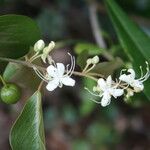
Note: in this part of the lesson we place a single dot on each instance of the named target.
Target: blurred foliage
(76, 122)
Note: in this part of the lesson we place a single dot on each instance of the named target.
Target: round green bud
(10, 94)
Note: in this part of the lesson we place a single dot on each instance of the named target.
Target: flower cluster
(57, 75)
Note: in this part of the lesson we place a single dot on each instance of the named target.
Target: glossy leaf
(21, 75)
(28, 132)
(17, 34)
(134, 41)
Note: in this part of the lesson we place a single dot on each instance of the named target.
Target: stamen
(121, 72)
(73, 66)
(40, 75)
(97, 102)
(146, 76)
(70, 71)
(92, 92)
(141, 71)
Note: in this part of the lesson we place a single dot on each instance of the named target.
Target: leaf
(17, 34)
(82, 58)
(22, 75)
(27, 132)
(134, 41)
(91, 48)
(107, 68)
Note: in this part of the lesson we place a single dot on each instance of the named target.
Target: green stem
(3, 81)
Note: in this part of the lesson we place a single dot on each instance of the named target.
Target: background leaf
(134, 41)
(17, 34)
(91, 48)
(107, 68)
(28, 131)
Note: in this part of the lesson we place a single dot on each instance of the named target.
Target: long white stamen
(70, 71)
(141, 71)
(40, 75)
(71, 64)
(146, 76)
(97, 102)
(121, 72)
(91, 92)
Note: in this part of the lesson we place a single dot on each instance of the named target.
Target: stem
(84, 75)
(24, 63)
(40, 85)
(96, 29)
(3, 81)
(95, 74)
(30, 65)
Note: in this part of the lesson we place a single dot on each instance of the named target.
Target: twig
(96, 29)
(25, 63)
(30, 65)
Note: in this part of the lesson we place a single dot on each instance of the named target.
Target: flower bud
(89, 61)
(94, 89)
(39, 45)
(95, 60)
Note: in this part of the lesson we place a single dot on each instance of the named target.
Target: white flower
(58, 77)
(137, 84)
(108, 90)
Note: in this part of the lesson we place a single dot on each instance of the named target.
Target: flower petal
(51, 71)
(60, 69)
(68, 81)
(137, 85)
(126, 78)
(117, 92)
(109, 81)
(132, 73)
(52, 85)
(106, 99)
(102, 84)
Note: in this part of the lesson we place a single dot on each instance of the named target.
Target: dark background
(71, 124)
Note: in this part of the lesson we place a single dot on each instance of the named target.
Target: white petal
(137, 85)
(68, 81)
(117, 92)
(126, 78)
(102, 84)
(106, 99)
(132, 73)
(109, 81)
(60, 69)
(52, 85)
(51, 70)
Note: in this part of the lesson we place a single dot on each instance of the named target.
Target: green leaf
(107, 68)
(28, 132)
(91, 48)
(134, 41)
(23, 76)
(17, 34)
(82, 58)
